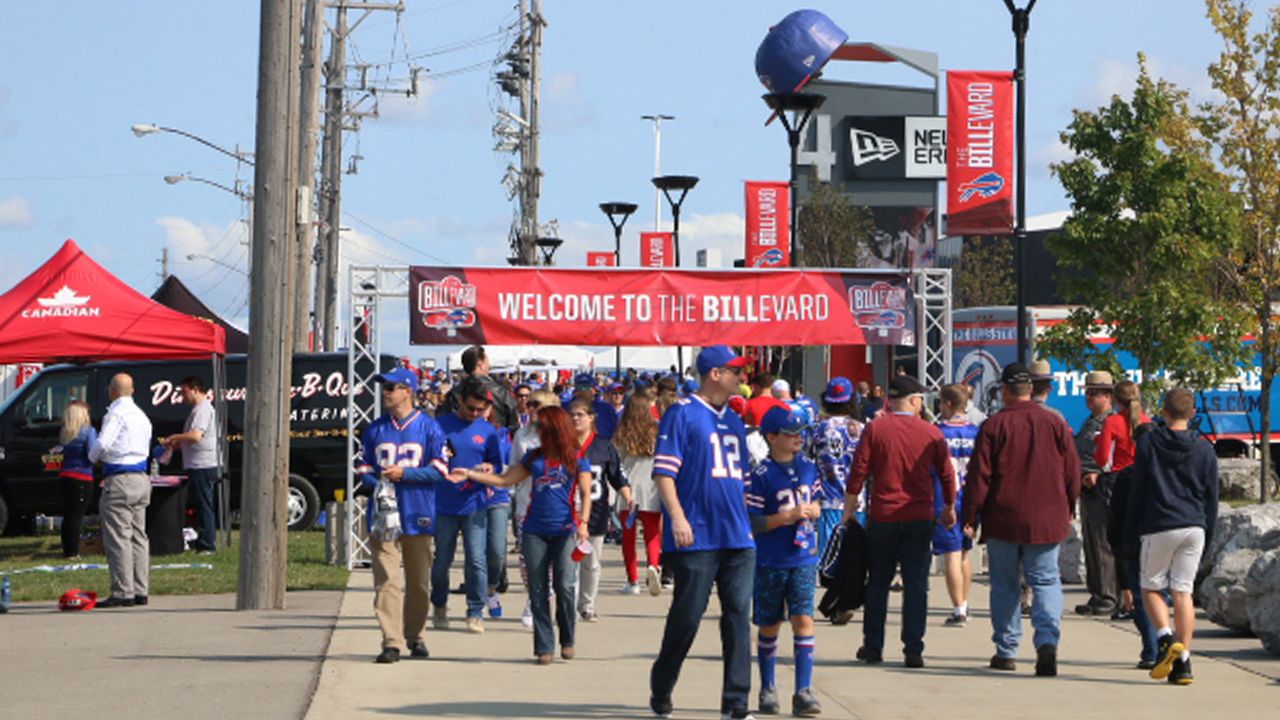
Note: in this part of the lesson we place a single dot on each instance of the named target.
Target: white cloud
(401, 109)
(563, 105)
(15, 212)
(1114, 76)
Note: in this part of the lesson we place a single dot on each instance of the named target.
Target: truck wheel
(4, 515)
(304, 503)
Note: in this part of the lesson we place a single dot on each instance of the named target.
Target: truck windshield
(48, 395)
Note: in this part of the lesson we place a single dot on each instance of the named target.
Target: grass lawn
(306, 570)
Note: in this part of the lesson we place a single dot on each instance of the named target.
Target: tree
(1153, 222)
(834, 232)
(1245, 127)
(985, 274)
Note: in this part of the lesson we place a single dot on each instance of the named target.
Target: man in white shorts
(1172, 508)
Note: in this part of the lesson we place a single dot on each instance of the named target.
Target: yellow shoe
(1167, 651)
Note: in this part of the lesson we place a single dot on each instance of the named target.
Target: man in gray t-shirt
(198, 443)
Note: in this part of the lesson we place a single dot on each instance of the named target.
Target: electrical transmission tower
(518, 133)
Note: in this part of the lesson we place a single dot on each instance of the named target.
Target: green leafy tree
(1245, 128)
(984, 276)
(834, 232)
(1153, 222)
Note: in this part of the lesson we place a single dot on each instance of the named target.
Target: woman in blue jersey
(952, 543)
(556, 521)
(76, 474)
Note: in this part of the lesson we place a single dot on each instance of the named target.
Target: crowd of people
(740, 485)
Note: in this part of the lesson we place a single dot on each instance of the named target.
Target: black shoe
(1145, 664)
(418, 649)
(868, 656)
(140, 600)
(1167, 651)
(1084, 609)
(388, 656)
(1047, 660)
(115, 602)
(913, 660)
(661, 707)
(1180, 674)
(1003, 663)
(1120, 615)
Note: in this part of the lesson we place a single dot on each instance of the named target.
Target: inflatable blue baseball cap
(797, 48)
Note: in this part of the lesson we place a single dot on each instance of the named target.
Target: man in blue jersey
(706, 534)
(472, 443)
(951, 543)
(405, 448)
(782, 503)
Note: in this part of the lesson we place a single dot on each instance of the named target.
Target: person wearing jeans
(473, 444)
(198, 442)
(706, 534)
(1022, 483)
(905, 456)
(555, 521)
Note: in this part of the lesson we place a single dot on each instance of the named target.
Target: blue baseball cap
(690, 386)
(399, 376)
(718, 356)
(778, 420)
(839, 390)
(584, 380)
(566, 397)
(617, 387)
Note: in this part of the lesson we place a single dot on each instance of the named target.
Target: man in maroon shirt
(905, 455)
(1021, 485)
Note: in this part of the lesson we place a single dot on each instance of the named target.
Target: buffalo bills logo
(477, 439)
(984, 186)
(772, 256)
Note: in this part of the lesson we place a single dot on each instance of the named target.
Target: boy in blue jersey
(706, 535)
(951, 542)
(473, 443)
(781, 500)
(405, 447)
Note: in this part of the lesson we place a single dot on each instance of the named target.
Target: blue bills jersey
(960, 435)
(776, 487)
(552, 496)
(834, 442)
(415, 442)
(704, 451)
(469, 444)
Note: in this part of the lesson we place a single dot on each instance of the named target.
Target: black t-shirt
(606, 472)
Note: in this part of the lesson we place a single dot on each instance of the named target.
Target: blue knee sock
(767, 655)
(804, 661)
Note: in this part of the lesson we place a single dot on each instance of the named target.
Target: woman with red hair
(555, 522)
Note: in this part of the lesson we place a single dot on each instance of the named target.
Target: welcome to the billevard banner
(516, 306)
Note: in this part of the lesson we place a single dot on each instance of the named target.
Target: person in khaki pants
(122, 448)
(406, 448)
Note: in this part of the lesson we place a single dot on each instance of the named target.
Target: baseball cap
(689, 387)
(584, 380)
(904, 386)
(781, 385)
(399, 376)
(839, 390)
(778, 420)
(617, 387)
(1015, 373)
(718, 356)
(1040, 370)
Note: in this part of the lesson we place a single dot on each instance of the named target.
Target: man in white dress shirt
(123, 449)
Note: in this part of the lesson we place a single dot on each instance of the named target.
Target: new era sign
(892, 148)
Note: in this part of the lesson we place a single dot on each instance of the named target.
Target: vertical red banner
(657, 249)
(768, 236)
(979, 153)
(600, 259)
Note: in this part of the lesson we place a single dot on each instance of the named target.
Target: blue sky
(428, 189)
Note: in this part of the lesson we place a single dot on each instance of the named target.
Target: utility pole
(331, 187)
(520, 134)
(657, 165)
(309, 111)
(534, 23)
(263, 534)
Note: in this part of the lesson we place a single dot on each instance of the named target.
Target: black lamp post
(618, 212)
(548, 246)
(668, 184)
(801, 107)
(1021, 24)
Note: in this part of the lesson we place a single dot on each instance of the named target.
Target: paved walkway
(493, 675)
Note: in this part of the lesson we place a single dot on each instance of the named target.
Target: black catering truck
(31, 418)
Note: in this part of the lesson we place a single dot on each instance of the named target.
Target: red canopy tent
(72, 310)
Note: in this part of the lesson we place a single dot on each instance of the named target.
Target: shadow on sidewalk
(517, 709)
(227, 658)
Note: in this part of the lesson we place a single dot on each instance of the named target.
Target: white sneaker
(653, 578)
(526, 617)
(631, 588)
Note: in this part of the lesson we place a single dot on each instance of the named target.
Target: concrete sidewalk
(188, 657)
(493, 675)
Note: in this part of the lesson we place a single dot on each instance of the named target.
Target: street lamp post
(801, 107)
(682, 184)
(548, 246)
(618, 212)
(242, 194)
(657, 163)
(144, 129)
(1021, 24)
